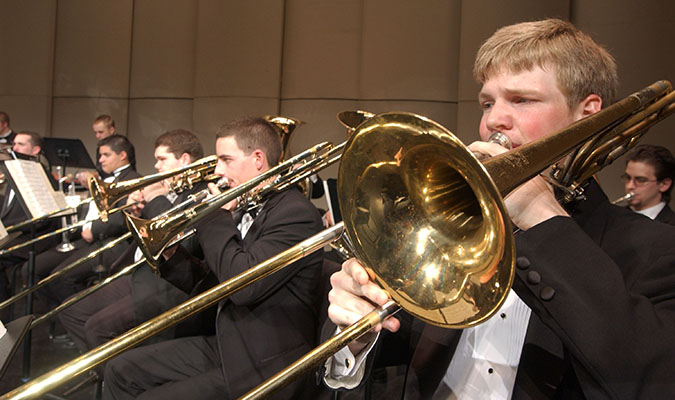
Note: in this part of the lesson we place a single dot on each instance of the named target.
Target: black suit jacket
(667, 215)
(603, 310)
(154, 294)
(269, 324)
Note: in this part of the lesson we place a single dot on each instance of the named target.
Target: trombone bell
(426, 219)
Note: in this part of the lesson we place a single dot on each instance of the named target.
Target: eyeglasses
(639, 180)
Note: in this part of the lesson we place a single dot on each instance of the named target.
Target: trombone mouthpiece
(501, 139)
(498, 138)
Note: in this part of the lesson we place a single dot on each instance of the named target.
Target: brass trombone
(105, 195)
(425, 217)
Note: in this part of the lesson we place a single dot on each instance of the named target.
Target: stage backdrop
(156, 65)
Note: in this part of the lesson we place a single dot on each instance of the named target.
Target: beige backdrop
(156, 65)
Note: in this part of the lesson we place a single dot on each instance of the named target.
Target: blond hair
(582, 67)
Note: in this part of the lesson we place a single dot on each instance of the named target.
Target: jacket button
(533, 277)
(546, 293)
(522, 262)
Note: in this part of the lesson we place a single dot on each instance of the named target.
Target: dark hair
(119, 143)
(179, 141)
(660, 158)
(4, 117)
(35, 138)
(106, 119)
(254, 133)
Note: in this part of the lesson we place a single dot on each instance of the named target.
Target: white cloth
(485, 363)
(652, 212)
(245, 224)
(344, 369)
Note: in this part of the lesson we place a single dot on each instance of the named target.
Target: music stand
(67, 153)
(9, 343)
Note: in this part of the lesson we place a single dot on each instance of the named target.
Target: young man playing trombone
(260, 328)
(592, 310)
(131, 300)
(118, 159)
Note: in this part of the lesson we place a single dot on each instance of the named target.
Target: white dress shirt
(484, 365)
(653, 211)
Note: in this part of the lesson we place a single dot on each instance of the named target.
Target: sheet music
(32, 183)
(3, 231)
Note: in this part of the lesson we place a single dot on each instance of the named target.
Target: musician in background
(591, 313)
(117, 159)
(6, 133)
(132, 300)
(103, 126)
(649, 175)
(27, 143)
(259, 329)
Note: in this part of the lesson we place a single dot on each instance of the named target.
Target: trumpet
(426, 218)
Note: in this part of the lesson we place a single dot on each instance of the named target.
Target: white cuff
(344, 369)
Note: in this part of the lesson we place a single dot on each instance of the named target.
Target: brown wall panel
(92, 51)
(162, 63)
(30, 113)
(149, 118)
(73, 118)
(239, 47)
(322, 49)
(26, 45)
(209, 113)
(410, 52)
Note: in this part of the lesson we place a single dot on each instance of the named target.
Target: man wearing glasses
(650, 171)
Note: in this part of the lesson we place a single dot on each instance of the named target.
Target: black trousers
(186, 368)
(76, 280)
(100, 316)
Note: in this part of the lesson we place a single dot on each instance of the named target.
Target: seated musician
(131, 300)
(259, 329)
(118, 159)
(28, 143)
(649, 175)
(591, 313)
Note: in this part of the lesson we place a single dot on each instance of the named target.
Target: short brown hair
(106, 119)
(179, 141)
(582, 66)
(34, 138)
(253, 133)
(4, 117)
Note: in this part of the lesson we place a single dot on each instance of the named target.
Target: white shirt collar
(653, 211)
